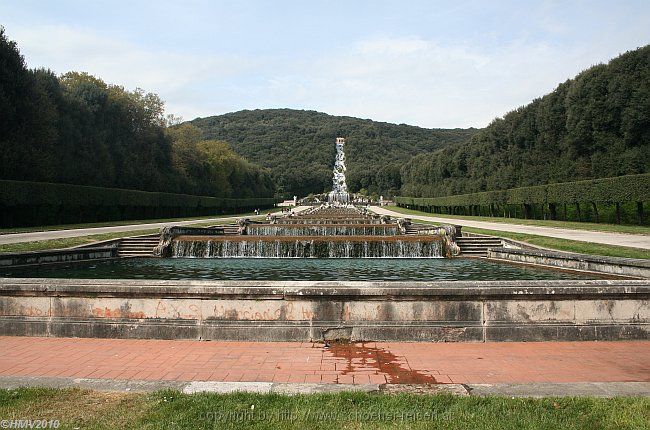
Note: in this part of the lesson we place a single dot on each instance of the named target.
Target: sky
(435, 64)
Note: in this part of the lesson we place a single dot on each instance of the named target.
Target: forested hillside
(76, 129)
(595, 125)
(298, 147)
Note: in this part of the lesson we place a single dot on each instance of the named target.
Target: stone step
(153, 236)
(136, 247)
(478, 246)
(133, 252)
(474, 245)
(139, 241)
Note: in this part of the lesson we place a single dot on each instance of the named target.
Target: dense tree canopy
(595, 125)
(77, 129)
(298, 147)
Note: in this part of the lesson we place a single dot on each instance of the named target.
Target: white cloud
(392, 46)
(425, 83)
(396, 79)
(168, 73)
(421, 82)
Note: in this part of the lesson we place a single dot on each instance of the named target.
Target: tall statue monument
(339, 194)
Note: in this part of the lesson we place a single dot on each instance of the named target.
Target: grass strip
(572, 225)
(75, 408)
(42, 245)
(115, 223)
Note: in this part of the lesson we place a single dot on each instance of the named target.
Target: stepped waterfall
(335, 230)
(309, 248)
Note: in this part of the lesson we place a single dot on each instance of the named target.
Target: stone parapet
(15, 259)
(314, 311)
(631, 267)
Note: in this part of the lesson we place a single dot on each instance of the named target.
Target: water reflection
(460, 269)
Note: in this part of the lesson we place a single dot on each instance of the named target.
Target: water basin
(394, 269)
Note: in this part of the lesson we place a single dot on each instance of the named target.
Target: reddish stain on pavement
(360, 363)
(361, 357)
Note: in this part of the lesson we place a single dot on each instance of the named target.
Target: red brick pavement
(371, 362)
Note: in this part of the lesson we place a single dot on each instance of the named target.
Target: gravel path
(61, 234)
(606, 238)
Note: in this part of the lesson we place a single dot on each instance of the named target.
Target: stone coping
(306, 238)
(176, 231)
(575, 256)
(297, 225)
(329, 290)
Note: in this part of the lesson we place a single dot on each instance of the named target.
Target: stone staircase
(477, 245)
(139, 246)
(230, 229)
(412, 230)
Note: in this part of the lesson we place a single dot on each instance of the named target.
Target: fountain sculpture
(339, 194)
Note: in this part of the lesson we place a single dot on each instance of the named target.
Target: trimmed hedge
(606, 191)
(24, 203)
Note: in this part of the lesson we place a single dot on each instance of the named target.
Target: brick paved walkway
(371, 362)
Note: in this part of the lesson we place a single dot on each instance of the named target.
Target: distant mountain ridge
(298, 147)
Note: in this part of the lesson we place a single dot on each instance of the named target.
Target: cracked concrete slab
(292, 389)
(455, 389)
(125, 385)
(277, 388)
(563, 389)
(227, 387)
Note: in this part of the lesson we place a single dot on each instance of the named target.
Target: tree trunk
(618, 213)
(595, 210)
(553, 210)
(639, 212)
(578, 210)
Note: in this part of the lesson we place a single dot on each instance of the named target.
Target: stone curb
(535, 389)
(562, 389)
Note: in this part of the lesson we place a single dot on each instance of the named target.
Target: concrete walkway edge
(595, 389)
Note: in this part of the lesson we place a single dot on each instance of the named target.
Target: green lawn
(82, 240)
(562, 244)
(116, 223)
(614, 228)
(68, 242)
(76, 408)
(568, 245)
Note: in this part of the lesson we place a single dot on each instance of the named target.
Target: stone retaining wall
(56, 256)
(313, 311)
(631, 267)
